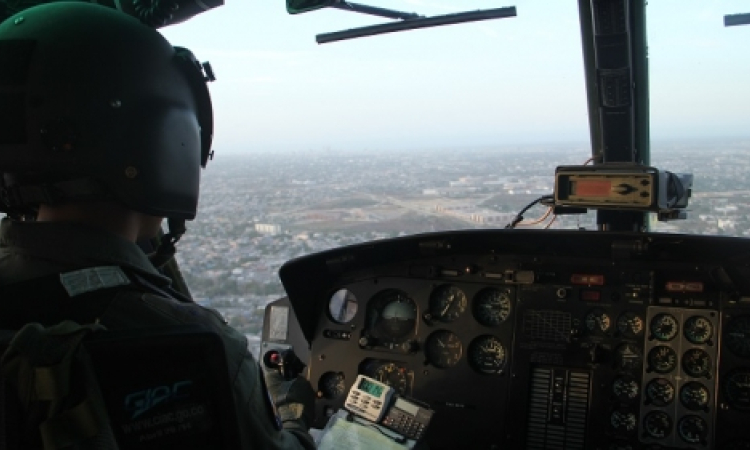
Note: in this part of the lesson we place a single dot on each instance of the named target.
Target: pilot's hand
(294, 399)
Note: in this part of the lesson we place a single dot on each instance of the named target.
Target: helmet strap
(167, 249)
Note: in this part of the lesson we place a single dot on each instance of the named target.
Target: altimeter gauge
(492, 307)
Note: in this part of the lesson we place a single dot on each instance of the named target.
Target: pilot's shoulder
(157, 310)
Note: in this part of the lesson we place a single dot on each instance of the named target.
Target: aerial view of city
(259, 210)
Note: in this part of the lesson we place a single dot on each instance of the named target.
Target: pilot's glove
(294, 400)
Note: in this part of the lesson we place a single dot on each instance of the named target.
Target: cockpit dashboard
(538, 339)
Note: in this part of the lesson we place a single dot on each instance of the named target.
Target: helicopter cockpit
(610, 339)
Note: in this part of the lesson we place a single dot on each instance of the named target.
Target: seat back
(162, 388)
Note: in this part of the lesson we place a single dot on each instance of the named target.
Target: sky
(493, 83)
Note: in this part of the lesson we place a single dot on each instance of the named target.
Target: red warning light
(591, 296)
(684, 286)
(587, 280)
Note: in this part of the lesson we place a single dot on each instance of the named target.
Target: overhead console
(539, 339)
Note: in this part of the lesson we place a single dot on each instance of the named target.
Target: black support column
(613, 34)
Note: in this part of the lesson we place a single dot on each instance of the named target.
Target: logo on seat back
(140, 402)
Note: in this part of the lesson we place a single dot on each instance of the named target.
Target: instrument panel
(539, 340)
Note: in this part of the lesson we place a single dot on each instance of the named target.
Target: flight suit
(34, 249)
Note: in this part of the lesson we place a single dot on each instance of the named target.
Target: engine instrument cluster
(529, 340)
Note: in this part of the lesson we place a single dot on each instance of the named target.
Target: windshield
(445, 128)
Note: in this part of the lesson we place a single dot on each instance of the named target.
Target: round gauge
(598, 321)
(698, 329)
(392, 375)
(447, 303)
(628, 357)
(492, 307)
(623, 420)
(664, 327)
(662, 359)
(443, 349)
(487, 355)
(392, 318)
(695, 396)
(331, 385)
(625, 388)
(657, 424)
(342, 306)
(693, 429)
(737, 336)
(696, 362)
(660, 392)
(630, 324)
(736, 386)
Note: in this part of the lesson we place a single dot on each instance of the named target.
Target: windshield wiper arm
(736, 19)
(375, 11)
(421, 22)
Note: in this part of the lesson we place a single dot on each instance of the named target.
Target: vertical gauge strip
(558, 406)
(679, 378)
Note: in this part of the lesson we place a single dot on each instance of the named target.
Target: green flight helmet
(96, 105)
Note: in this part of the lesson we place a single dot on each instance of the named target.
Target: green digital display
(371, 388)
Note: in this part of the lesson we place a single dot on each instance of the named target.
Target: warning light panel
(590, 296)
(684, 286)
(587, 280)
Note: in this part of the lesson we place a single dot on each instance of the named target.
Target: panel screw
(131, 172)
(19, 20)
(115, 103)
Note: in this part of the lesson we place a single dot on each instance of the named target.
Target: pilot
(104, 127)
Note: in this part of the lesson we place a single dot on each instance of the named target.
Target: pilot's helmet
(96, 105)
